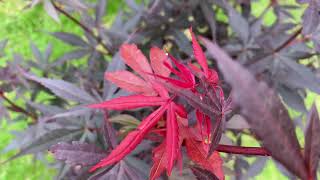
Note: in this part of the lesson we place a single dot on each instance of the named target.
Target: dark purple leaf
(264, 111)
(297, 75)
(203, 174)
(255, 168)
(71, 39)
(238, 24)
(45, 141)
(311, 17)
(36, 53)
(312, 141)
(100, 11)
(292, 98)
(76, 54)
(108, 88)
(63, 89)
(51, 10)
(77, 153)
(216, 133)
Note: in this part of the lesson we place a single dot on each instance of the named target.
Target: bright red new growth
(150, 90)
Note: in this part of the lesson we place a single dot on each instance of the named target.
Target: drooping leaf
(203, 174)
(157, 59)
(130, 102)
(77, 153)
(130, 82)
(298, 75)
(76, 54)
(311, 18)
(264, 111)
(198, 153)
(216, 134)
(238, 24)
(172, 138)
(237, 122)
(312, 142)
(159, 159)
(63, 89)
(132, 139)
(199, 54)
(109, 88)
(100, 10)
(71, 39)
(51, 10)
(134, 58)
(125, 119)
(255, 168)
(48, 139)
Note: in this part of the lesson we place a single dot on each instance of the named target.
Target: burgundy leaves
(312, 142)
(152, 87)
(268, 118)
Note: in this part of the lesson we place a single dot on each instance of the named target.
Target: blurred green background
(21, 26)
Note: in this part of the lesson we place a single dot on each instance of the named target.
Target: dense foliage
(122, 114)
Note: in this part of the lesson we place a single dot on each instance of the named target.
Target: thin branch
(288, 41)
(16, 108)
(83, 26)
(278, 49)
(257, 151)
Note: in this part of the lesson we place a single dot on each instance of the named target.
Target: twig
(83, 26)
(257, 151)
(278, 49)
(16, 108)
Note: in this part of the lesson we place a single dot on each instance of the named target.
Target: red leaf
(130, 82)
(312, 142)
(184, 73)
(159, 161)
(131, 140)
(197, 151)
(135, 59)
(130, 102)
(157, 59)
(171, 138)
(199, 55)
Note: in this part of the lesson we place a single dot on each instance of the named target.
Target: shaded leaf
(255, 168)
(237, 122)
(298, 75)
(197, 152)
(132, 139)
(63, 89)
(100, 10)
(172, 138)
(71, 39)
(311, 17)
(238, 24)
(51, 10)
(159, 159)
(125, 119)
(203, 174)
(265, 113)
(48, 139)
(77, 153)
(312, 141)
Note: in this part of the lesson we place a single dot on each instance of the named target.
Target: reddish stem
(257, 151)
(16, 108)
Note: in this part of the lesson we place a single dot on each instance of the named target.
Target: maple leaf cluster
(151, 87)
